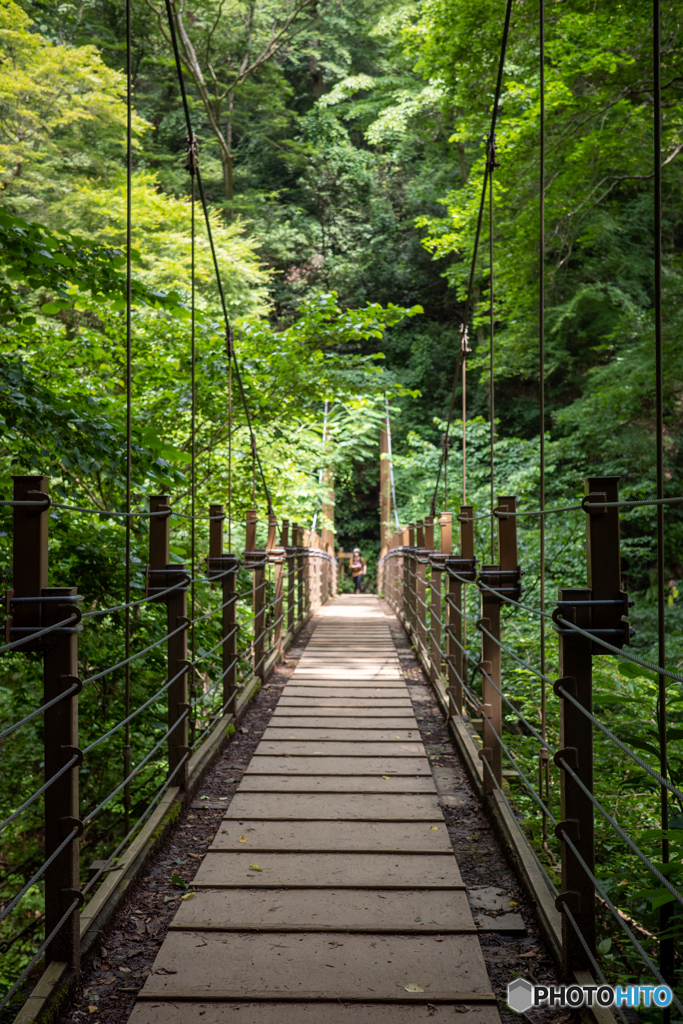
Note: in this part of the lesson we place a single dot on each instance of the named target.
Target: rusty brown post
(224, 566)
(464, 566)
(300, 586)
(161, 573)
(255, 559)
(501, 578)
(421, 558)
(576, 749)
(409, 581)
(307, 581)
(289, 585)
(33, 606)
(62, 883)
(277, 555)
(605, 619)
(436, 561)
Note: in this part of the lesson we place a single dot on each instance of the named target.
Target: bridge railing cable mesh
(265, 599)
(428, 590)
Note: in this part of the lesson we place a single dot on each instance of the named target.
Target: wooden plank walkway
(330, 893)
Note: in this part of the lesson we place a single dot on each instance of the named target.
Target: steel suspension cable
(192, 154)
(666, 948)
(544, 768)
(391, 463)
(129, 404)
(480, 216)
(491, 148)
(219, 281)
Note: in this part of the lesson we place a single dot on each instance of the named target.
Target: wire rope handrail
(596, 721)
(36, 957)
(135, 713)
(38, 792)
(618, 916)
(38, 874)
(657, 669)
(42, 632)
(515, 710)
(86, 888)
(136, 771)
(623, 835)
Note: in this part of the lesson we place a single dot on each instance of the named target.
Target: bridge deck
(331, 880)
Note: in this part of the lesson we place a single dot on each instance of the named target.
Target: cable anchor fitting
(491, 162)
(192, 161)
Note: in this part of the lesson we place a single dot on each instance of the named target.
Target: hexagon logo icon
(520, 995)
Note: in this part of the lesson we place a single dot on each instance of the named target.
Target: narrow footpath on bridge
(330, 892)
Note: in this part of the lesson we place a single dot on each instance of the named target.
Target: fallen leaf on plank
(413, 987)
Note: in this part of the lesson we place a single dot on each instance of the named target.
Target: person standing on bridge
(358, 568)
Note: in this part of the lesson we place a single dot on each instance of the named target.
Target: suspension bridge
(330, 890)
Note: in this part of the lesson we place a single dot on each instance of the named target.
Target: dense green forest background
(342, 150)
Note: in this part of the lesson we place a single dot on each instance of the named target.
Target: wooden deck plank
(334, 965)
(408, 784)
(354, 701)
(389, 719)
(328, 871)
(405, 911)
(341, 732)
(320, 688)
(324, 836)
(350, 806)
(340, 748)
(318, 1012)
(266, 765)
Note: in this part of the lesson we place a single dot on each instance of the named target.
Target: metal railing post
(502, 577)
(34, 606)
(409, 583)
(307, 575)
(576, 749)
(300, 573)
(290, 550)
(465, 567)
(255, 559)
(437, 562)
(62, 815)
(600, 609)
(421, 559)
(276, 556)
(161, 573)
(224, 566)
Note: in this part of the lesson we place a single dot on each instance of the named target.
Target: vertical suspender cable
(463, 360)
(322, 468)
(485, 183)
(391, 463)
(129, 361)
(492, 390)
(666, 947)
(219, 281)
(191, 162)
(543, 764)
(229, 453)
